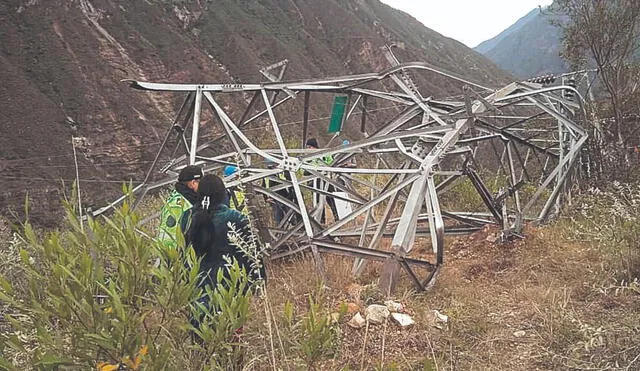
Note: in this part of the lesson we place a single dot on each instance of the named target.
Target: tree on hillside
(607, 34)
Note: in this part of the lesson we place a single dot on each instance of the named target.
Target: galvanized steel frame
(427, 148)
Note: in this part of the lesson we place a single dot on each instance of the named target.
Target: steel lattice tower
(514, 147)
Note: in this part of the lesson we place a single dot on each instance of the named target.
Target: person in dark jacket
(206, 229)
(278, 209)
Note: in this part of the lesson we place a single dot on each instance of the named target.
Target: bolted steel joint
(291, 163)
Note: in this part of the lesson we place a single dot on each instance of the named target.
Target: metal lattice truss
(425, 168)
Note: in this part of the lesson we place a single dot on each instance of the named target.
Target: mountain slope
(530, 47)
(487, 45)
(63, 61)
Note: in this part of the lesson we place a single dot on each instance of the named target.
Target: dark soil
(62, 62)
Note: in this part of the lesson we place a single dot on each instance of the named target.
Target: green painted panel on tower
(337, 113)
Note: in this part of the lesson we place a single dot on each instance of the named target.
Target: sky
(468, 21)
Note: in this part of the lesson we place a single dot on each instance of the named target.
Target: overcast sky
(468, 21)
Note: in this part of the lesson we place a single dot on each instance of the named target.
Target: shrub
(106, 295)
(319, 337)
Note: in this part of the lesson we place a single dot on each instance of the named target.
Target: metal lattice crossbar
(425, 168)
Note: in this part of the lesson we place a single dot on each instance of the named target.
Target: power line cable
(65, 180)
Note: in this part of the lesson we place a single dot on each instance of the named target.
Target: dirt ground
(536, 303)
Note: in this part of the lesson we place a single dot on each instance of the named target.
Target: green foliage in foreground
(106, 295)
(310, 336)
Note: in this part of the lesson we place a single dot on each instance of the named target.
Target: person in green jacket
(236, 199)
(181, 199)
(312, 143)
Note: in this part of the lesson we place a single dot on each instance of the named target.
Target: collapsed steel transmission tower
(426, 168)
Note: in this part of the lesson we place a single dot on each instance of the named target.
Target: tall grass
(565, 297)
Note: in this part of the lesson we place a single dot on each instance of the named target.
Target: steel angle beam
(380, 255)
(409, 157)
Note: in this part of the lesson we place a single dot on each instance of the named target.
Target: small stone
(519, 333)
(394, 306)
(439, 317)
(402, 319)
(357, 321)
(376, 313)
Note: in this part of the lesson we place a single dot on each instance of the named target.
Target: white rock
(519, 333)
(394, 306)
(376, 313)
(404, 320)
(440, 317)
(357, 321)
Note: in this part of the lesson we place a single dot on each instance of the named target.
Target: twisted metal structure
(425, 169)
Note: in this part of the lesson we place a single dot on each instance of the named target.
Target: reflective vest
(237, 201)
(325, 160)
(170, 215)
(267, 181)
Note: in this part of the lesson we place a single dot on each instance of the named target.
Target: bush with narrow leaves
(105, 295)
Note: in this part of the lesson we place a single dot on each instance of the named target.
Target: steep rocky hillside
(529, 47)
(62, 62)
(487, 45)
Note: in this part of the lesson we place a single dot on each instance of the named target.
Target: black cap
(190, 172)
(312, 142)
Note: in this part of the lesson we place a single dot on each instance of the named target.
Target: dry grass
(550, 301)
(538, 303)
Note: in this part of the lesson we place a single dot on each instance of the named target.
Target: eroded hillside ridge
(63, 61)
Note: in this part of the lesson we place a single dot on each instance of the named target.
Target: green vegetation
(319, 338)
(609, 220)
(105, 295)
(565, 297)
(606, 35)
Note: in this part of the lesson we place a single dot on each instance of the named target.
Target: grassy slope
(558, 299)
(549, 301)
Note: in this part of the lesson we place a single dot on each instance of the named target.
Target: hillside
(487, 45)
(529, 47)
(62, 63)
(564, 297)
